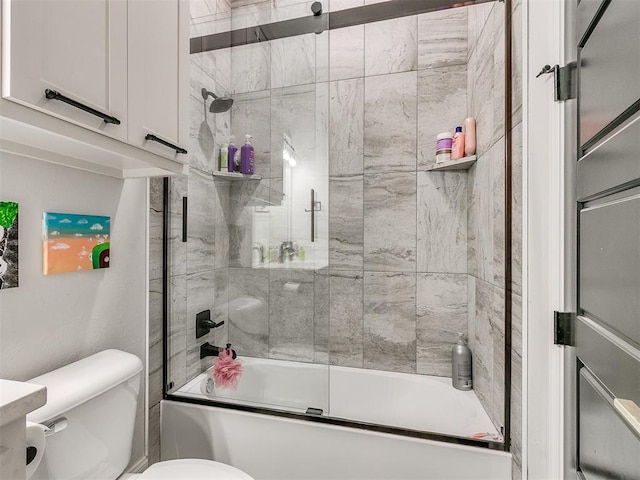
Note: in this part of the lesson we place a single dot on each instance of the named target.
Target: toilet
(90, 414)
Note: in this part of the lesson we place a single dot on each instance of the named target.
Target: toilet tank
(92, 405)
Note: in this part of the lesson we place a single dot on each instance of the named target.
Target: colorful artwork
(8, 245)
(75, 242)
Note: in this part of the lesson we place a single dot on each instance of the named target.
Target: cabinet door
(159, 74)
(74, 47)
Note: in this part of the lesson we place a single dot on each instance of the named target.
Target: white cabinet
(77, 48)
(158, 73)
(121, 67)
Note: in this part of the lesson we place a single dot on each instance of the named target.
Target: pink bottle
(469, 136)
(457, 151)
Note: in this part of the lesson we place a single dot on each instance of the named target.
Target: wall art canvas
(73, 242)
(8, 245)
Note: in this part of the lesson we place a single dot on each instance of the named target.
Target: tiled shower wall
(401, 237)
(485, 195)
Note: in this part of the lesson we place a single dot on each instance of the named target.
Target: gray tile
(201, 295)
(291, 110)
(155, 373)
(250, 67)
(498, 71)
(156, 219)
(442, 105)
(346, 318)
(346, 127)
(481, 87)
(516, 59)
(293, 61)
(442, 38)
(390, 118)
(497, 321)
(346, 223)
(346, 53)
(479, 219)
(441, 315)
(177, 307)
(221, 218)
(390, 213)
(154, 434)
(322, 56)
(498, 207)
(291, 326)
(516, 209)
(177, 255)
(155, 311)
(442, 222)
(321, 315)
(249, 311)
(391, 46)
(482, 385)
(478, 15)
(483, 332)
(390, 321)
(200, 222)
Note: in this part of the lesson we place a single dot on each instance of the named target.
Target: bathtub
(268, 447)
(415, 402)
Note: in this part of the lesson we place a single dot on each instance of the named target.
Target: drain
(314, 411)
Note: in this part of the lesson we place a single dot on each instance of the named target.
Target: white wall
(50, 321)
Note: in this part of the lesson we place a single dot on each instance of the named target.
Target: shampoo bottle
(232, 151)
(457, 150)
(246, 157)
(224, 158)
(461, 362)
(469, 136)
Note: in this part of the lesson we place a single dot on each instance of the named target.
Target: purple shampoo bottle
(233, 150)
(246, 157)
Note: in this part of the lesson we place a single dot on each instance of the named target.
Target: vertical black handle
(313, 215)
(184, 219)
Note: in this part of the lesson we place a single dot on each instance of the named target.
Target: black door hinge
(565, 83)
(564, 328)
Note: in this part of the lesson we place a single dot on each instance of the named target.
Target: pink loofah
(226, 370)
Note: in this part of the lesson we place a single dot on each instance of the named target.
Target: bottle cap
(247, 138)
(461, 340)
(458, 129)
(223, 145)
(231, 139)
(442, 135)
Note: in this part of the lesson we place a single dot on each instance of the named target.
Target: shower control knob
(316, 8)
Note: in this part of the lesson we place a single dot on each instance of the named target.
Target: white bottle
(461, 365)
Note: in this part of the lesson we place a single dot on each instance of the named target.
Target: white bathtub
(276, 448)
(416, 402)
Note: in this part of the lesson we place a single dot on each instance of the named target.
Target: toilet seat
(193, 469)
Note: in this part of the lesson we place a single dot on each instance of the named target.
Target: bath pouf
(226, 370)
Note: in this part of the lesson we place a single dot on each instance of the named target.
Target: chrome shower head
(219, 104)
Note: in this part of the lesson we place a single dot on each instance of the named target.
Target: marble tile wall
(394, 228)
(486, 229)
(414, 256)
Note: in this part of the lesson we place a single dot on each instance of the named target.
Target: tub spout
(208, 350)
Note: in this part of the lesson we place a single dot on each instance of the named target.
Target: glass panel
(405, 253)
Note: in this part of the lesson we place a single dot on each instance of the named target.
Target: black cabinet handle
(53, 95)
(153, 138)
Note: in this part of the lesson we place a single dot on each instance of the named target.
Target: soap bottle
(469, 136)
(461, 363)
(457, 150)
(232, 153)
(246, 156)
(224, 158)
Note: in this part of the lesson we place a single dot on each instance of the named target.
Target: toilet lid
(193, 469)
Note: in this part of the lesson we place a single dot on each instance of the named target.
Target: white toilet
(90, 411)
